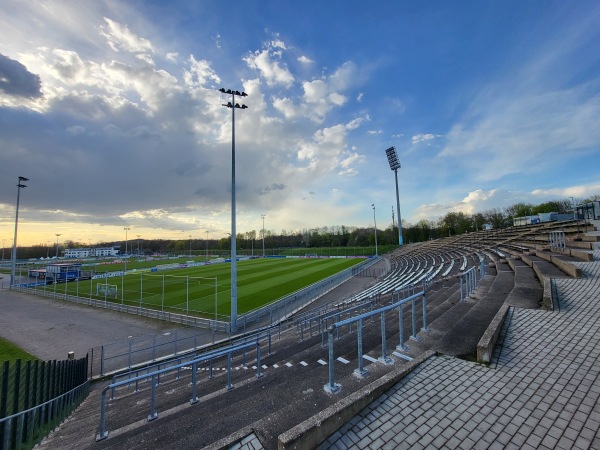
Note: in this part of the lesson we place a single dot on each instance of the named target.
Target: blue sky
(112, 110)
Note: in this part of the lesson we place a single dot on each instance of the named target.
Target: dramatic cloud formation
(113, 112)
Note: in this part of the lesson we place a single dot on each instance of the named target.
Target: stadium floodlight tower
(263, 232)
(395, 165)
(13, 270)
(233, 105)
(375, 229)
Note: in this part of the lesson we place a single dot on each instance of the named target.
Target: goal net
(106, 290)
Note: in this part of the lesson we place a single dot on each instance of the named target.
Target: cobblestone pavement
(540, 392)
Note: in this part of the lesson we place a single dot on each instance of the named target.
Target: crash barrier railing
(154, 376)
(469, 280)
(286, 306)
(136, 350)
(259, 336)
(315, 317)
(29, 427)
(338, 316)
(332, 386)
(557, 239)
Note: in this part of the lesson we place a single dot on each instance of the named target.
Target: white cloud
(268, 63)
(424, 137)
(305, 60)
(360, 96)
(119, 37)
(200, 73)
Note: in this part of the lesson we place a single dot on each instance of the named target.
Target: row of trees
(452, 223)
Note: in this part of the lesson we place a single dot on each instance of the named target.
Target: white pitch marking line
(304, 363)
(400, 355)
(343, 360)
(369, 358)
(323, 363)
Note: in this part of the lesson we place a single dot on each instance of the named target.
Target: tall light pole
(138, 236)
(206, 245)
(3, 240)
(126, 230)
(375, 222)
(263, 233)
(233, 105)
(574, 209)
(57, 236)
(20, 186)
(395, 165)
(190, 245)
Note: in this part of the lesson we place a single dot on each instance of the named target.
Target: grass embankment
(10, 352)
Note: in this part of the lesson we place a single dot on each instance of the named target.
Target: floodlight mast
(233, 105)
(395, 165)
(13, 270)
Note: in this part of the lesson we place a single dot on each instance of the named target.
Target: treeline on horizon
(452, 223)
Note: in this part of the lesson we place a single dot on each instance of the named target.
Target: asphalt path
(50, 328)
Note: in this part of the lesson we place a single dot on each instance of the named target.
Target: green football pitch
(205, 291)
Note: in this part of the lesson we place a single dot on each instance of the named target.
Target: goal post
(106, 290)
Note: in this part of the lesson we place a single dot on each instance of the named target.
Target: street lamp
(20, 185)
(57, 235)
(395, 165)
(375, 222)
(138, 236)
(263, 233)
(233, 105)
(190, 245)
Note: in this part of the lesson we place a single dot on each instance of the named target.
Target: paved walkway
(541, 391)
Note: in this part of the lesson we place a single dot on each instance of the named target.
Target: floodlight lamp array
(393, 158)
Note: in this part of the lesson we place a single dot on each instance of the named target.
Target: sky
(112, 111)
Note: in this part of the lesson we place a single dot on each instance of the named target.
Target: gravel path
(49, 328)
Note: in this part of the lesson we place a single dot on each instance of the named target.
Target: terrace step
(462, 338)
(528, 291)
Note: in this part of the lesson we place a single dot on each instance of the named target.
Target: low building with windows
(92, 252)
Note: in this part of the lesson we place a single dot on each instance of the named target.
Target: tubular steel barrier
(30, 426)
(154, 377)
(469, 280)
(188, 358)
(332, 387)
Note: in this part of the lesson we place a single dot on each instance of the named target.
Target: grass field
(10, 352)
(192, 290)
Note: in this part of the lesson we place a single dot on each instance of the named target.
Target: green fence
(25, 386)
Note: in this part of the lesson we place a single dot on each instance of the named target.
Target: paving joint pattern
(541, 390)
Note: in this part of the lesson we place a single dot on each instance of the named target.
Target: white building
(91, 252)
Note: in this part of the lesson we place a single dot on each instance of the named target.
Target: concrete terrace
(533, 315)
(541, 390)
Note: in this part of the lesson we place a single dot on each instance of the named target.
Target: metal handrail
(331, 386)
(103, 432)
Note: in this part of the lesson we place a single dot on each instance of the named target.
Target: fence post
(194, 386)
(384, 357)
(401, 345)
(331, 387)
(360, 372)
(153, 414)
(414, 336)
(425, 329)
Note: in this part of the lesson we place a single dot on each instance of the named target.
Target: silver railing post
(153, 414)
(102, 432)
(331, 387)
(401, 345)
(425, 329)
(384, 357)
(360, 371)
(194, 398)
(414, 336)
